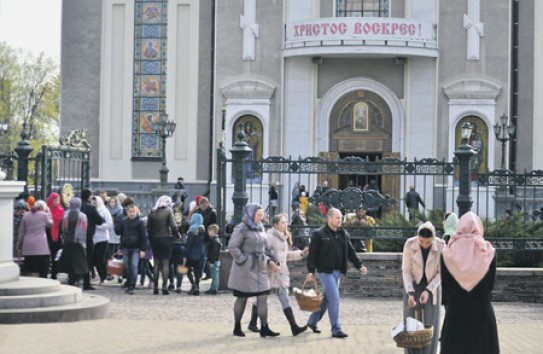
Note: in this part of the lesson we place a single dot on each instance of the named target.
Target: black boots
(237, 330)
(293, 326)
(252, 325)
(265, 331)
(194, 290)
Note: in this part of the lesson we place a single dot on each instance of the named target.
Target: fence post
(219, 202)
(463, 153)
(239, 151)
(23, 149)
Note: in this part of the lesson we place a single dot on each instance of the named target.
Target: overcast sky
(32, 25)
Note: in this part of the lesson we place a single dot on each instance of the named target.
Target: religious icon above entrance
(360, 117)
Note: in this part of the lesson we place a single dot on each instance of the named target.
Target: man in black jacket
(93, 219)
(412, 201)
(329, 250)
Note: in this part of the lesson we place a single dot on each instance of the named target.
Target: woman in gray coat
(249, 273)
(279, 244)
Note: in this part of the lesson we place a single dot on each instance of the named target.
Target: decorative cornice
(248, 89)
(471, 88)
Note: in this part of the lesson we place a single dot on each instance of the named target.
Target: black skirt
(36, 264)
(73, 259)
(162, 247)
(238, 293)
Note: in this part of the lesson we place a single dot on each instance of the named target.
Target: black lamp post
(464, 153)
(164, 128)
(504, 132)
(23, 150)
(239, 151)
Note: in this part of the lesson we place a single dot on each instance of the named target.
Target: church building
(330, 78)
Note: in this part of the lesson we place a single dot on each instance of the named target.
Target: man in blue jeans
(133, 243)
(329, 250)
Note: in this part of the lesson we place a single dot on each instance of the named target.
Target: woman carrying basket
(279, 243)
(421, 281)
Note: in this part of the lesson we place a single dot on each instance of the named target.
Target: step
(90, 307)
(65, 295)
(29, 286)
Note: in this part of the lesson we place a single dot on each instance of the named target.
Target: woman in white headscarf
(32, 242)
(101, 238)
(162, 231)
(422, 279)
(468, 274)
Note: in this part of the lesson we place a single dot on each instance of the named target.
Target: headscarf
(196, 221)
(429, 226)
(75, 205)
(120, 199)
(162, 202)
(30, 200)
(72, 221)
(101, 207)
(20, 204)
(449, 225)
(118, 210)
(56, 212)
(39, 205)
(249, 217)
(468, 255)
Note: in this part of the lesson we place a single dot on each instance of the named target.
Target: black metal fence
(499, 197)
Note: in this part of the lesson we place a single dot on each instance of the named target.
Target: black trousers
(54, 247)
(99, 259)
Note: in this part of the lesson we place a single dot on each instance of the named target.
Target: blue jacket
(195, 248)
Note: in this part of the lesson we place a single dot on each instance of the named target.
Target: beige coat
(278, 248)
(412, 265)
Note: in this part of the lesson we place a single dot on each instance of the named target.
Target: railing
(510, 204)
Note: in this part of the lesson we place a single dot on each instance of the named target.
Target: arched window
(254, 137)
(479, 143)
(362, 8)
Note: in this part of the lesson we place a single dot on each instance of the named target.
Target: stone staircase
(37, 300)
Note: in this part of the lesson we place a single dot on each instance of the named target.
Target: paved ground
(146, 323)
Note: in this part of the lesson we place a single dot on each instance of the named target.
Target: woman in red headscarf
(53, 238)
(467, 275)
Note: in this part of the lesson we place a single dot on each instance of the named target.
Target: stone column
(9, 271)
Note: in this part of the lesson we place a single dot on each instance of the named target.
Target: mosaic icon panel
(149, 90)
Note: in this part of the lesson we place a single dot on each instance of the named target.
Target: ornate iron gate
(64, 169)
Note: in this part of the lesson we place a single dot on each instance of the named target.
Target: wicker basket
(181, 269)
(309, 303)
(115, 267)
(415, 339)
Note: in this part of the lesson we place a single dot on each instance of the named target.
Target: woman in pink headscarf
(467, 276)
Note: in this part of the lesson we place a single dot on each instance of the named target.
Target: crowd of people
(91, 231)
(457, 272)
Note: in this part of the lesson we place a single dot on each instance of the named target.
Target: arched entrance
(361, 126)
